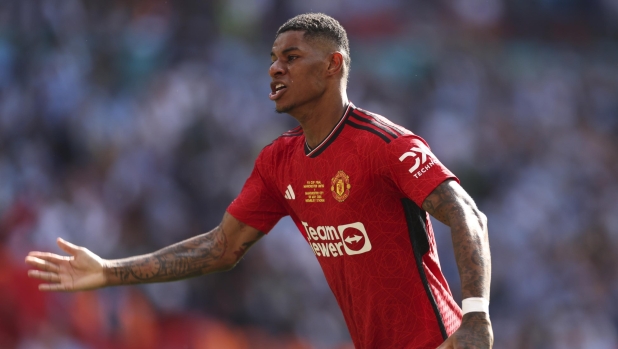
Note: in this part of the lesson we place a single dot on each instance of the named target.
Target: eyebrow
(287, 50)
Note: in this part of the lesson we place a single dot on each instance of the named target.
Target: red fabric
(257, 204)
(359, 232)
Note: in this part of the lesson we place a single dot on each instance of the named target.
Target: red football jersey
(356, 198)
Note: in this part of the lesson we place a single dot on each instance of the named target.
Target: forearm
(471, 247)
(451, 205)
(196, 256)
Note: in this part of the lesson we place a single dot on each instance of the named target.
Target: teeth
(279, 86)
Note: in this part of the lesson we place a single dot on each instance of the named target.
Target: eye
(291, 58)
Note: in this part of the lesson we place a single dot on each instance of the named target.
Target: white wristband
(475, 304)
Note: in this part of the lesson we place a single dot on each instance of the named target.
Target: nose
(276, 69)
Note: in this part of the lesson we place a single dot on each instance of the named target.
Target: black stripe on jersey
(325, 145)
(373, 123)
(389, 124)
(367, 128)
(334, 133)
(415, 218)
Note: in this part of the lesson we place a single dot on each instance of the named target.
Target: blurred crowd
(128, 125)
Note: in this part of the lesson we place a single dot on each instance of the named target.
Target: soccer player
(359, 189)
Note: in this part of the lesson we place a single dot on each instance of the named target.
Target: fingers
(53, 287)
(67, 246)
(54, 278)
(51, 258)
(44, 275)
(42, 264)
(49, 265)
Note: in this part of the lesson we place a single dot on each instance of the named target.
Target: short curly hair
(319, 25)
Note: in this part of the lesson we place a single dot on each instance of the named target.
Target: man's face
(297, 71)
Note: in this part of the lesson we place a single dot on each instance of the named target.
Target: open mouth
(277, 90)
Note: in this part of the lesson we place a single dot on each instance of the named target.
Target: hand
(474, 333)
(82, 270)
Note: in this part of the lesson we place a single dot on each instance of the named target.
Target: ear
(335, 64)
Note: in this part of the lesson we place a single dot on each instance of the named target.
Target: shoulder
(377, 120)
(373, 127)
(295, 132)
(287, 140)
(282, 146)
(375, 130)
(380, 137)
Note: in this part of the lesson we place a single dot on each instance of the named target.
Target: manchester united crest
(340, 186)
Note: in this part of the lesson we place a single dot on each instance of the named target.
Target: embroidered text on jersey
(314, 191)
(348, 239)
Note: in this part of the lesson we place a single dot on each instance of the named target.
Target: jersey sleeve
(413, 168)
(256, 205)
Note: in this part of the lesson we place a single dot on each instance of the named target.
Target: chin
(284, 108)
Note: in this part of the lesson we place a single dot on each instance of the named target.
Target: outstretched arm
(217, 250)
(450, 204)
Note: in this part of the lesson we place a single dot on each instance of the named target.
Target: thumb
(67, 246)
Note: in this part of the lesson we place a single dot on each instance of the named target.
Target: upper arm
(239, 238)
(413, 168)
(260, 203)
(450, 203)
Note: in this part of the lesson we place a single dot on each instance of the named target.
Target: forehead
(292, 38)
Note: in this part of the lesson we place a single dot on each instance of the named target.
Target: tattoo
(451, 205)
(245, 246)
(475, 332)
(189, 258)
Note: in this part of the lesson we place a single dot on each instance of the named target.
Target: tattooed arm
(450, 204)
(217, 250)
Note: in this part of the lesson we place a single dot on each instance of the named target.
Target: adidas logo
(289, 193)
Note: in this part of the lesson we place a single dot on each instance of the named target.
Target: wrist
(476, 320)
(477, 325)
(475, 304)
(108, 273)
(475, 316)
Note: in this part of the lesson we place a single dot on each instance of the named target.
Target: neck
(318, 120)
